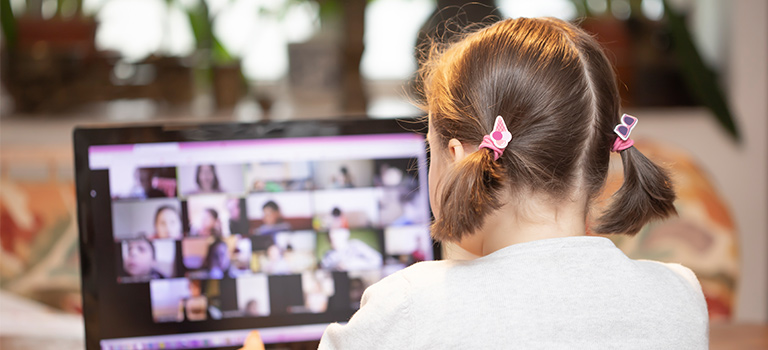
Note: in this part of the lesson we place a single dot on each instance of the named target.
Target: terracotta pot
(228, 85)
(75, 35)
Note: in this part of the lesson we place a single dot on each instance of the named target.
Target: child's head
(206, 178)
(167, 222)
(218, 255)
(138, 257)
(252, 308)
(209, 223)
(144, 177)
(557, 93)
(272, 213)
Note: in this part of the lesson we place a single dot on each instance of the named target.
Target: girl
(516, 190)
(167, 223)
(139, 260)
(209, 224)
(273, 220)
(206, 179)
(217, 260)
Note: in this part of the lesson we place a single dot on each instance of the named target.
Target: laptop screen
(191, 244)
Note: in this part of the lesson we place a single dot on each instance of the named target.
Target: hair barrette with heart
(498, 139)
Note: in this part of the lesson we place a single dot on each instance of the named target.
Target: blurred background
(694, 71)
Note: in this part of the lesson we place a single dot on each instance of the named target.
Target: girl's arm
(383, 321)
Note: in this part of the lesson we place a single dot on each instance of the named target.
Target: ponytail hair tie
(623, 129)
(498, 139)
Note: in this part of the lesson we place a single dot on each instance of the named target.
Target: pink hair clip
(498, 139)
(623, 129)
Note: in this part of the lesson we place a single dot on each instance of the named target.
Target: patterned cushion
(39, 256)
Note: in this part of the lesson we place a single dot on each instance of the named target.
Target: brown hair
(557, 92)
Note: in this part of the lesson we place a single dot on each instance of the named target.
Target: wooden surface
(738, 336)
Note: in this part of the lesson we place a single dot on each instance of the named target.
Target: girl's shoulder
(425, 273)
(679, 287)
(685, 277)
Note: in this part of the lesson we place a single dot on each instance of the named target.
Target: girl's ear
(456, 149)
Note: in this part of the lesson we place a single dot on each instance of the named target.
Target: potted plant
(50, 62)
(215, 67)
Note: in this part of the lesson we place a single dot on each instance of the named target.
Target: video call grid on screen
(264, 228)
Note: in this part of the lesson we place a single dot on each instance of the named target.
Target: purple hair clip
(623, 129)
(498, 139)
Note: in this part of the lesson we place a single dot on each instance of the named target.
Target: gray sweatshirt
(562, 293)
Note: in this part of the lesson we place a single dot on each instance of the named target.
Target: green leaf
(219, 53)
(330, 8)
(8, 23)
(201, 26)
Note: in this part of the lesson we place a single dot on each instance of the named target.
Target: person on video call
(273, 221)
(142, 187)
(274, 263)
(318, 286)
(406, 195)
(207, 180)
(338, 219)
(343, 179)
(238, 224)
(349, 254)
(252, 308)
(210, 225)
(196, 305)
(218, 262)
(139, 259)
(167, 223)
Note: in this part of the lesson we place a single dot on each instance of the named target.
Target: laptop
(192, 235)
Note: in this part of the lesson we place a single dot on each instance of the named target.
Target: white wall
(739, 170)
(748, 172)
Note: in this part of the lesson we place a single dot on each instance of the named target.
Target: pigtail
(468, 193)
(647, 194)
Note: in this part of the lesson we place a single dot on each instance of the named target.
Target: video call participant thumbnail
(196, 304)
(272, 213)
(253, 296)
(238, 221)
(211, 179)
(209, 224)
(167, 223)
(149, 183)
(279, 176)
(208, 215)
(158, 218)
(273, 220)
(350, 254)
(292, 252)
(140, 260)
(217, 258)
(182, 299)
